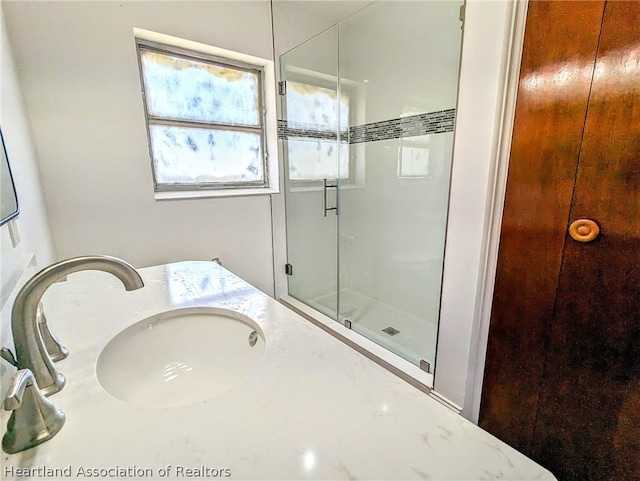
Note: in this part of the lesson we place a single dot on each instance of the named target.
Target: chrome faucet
(34, 419)
(31, 351)
(57, 352)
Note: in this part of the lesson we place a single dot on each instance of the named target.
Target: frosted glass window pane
(185, 89)
(413, 162)
(190, 155)
(316, 159)
(311, 105)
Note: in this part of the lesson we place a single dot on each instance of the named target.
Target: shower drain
(391, 331)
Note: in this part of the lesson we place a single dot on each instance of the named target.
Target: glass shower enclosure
(368, 109)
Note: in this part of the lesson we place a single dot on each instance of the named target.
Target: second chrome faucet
(31, 352)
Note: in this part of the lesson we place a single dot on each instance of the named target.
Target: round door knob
(584, 230)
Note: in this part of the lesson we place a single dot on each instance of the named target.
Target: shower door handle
(326, 186)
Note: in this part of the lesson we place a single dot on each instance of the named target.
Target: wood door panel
(588, 424)
(545, 148)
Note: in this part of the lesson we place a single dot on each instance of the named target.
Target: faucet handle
(55, 349)
(34, 419)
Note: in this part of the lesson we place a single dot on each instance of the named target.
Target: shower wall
(404, 57)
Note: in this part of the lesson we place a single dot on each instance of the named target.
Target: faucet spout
(31, 352)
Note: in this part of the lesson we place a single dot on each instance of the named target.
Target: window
(206, 120)
(315, 114)
(413, 158)
(313, 111)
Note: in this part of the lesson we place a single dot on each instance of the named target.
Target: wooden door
(562, 380)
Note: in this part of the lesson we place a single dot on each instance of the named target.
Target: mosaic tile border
(421, 124)
(306, 131)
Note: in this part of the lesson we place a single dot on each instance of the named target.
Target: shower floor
(415, 339)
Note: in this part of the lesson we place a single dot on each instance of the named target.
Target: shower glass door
(399, 64)
(368, 128)
(309, 135)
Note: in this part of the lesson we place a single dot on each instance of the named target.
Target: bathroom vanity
(308, 407)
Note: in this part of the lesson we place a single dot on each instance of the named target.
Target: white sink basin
(180, 357)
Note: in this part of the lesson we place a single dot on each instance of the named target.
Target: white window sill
(204, 194)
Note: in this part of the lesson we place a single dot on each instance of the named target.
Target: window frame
(197, 189)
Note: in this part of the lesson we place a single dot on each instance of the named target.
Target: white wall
(482, 96)
(32, 223)
(409, 54)
(78, 70)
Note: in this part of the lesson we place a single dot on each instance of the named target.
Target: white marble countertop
(313, 409)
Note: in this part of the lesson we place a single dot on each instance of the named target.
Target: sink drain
(253, 338)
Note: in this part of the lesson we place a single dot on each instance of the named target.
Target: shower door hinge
(288, 269)
(425, 366)
(282, 87)
(462, 13)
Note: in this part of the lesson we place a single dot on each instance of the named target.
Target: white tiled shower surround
(392, 213)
